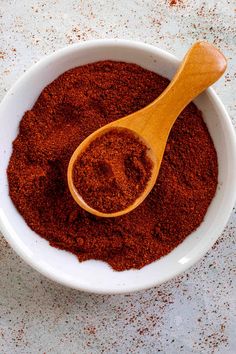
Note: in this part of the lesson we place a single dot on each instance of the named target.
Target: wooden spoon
(201, 67)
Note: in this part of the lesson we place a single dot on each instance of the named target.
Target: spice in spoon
(113, 171)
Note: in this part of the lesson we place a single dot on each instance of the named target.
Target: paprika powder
(113, 171)
(73, 106)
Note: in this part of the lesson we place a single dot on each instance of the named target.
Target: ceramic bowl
(96, 276)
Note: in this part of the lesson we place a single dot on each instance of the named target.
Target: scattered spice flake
(90, 330)
(77, 32)
(174, 2)
(142, 331)
(2, 55)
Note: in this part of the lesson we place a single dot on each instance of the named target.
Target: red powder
(67, 111)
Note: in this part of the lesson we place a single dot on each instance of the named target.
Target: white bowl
(96, 276)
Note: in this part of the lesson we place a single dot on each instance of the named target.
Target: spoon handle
(202, 66)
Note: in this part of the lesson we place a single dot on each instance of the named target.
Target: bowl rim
(230, 135)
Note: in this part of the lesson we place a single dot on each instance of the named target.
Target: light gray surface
(194, 313)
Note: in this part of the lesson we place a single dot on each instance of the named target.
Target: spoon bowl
(82, 147)
(202, 66)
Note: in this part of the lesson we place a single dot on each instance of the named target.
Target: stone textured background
(195, 313)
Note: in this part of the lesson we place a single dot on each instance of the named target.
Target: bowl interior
(93, 275)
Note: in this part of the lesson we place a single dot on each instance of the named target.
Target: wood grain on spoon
(202, 66)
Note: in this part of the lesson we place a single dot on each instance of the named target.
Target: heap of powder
(69, 109)
(113, 171)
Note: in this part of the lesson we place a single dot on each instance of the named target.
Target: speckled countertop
(195, 313)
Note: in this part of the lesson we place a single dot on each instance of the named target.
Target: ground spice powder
(113, 171)
(67, 111)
